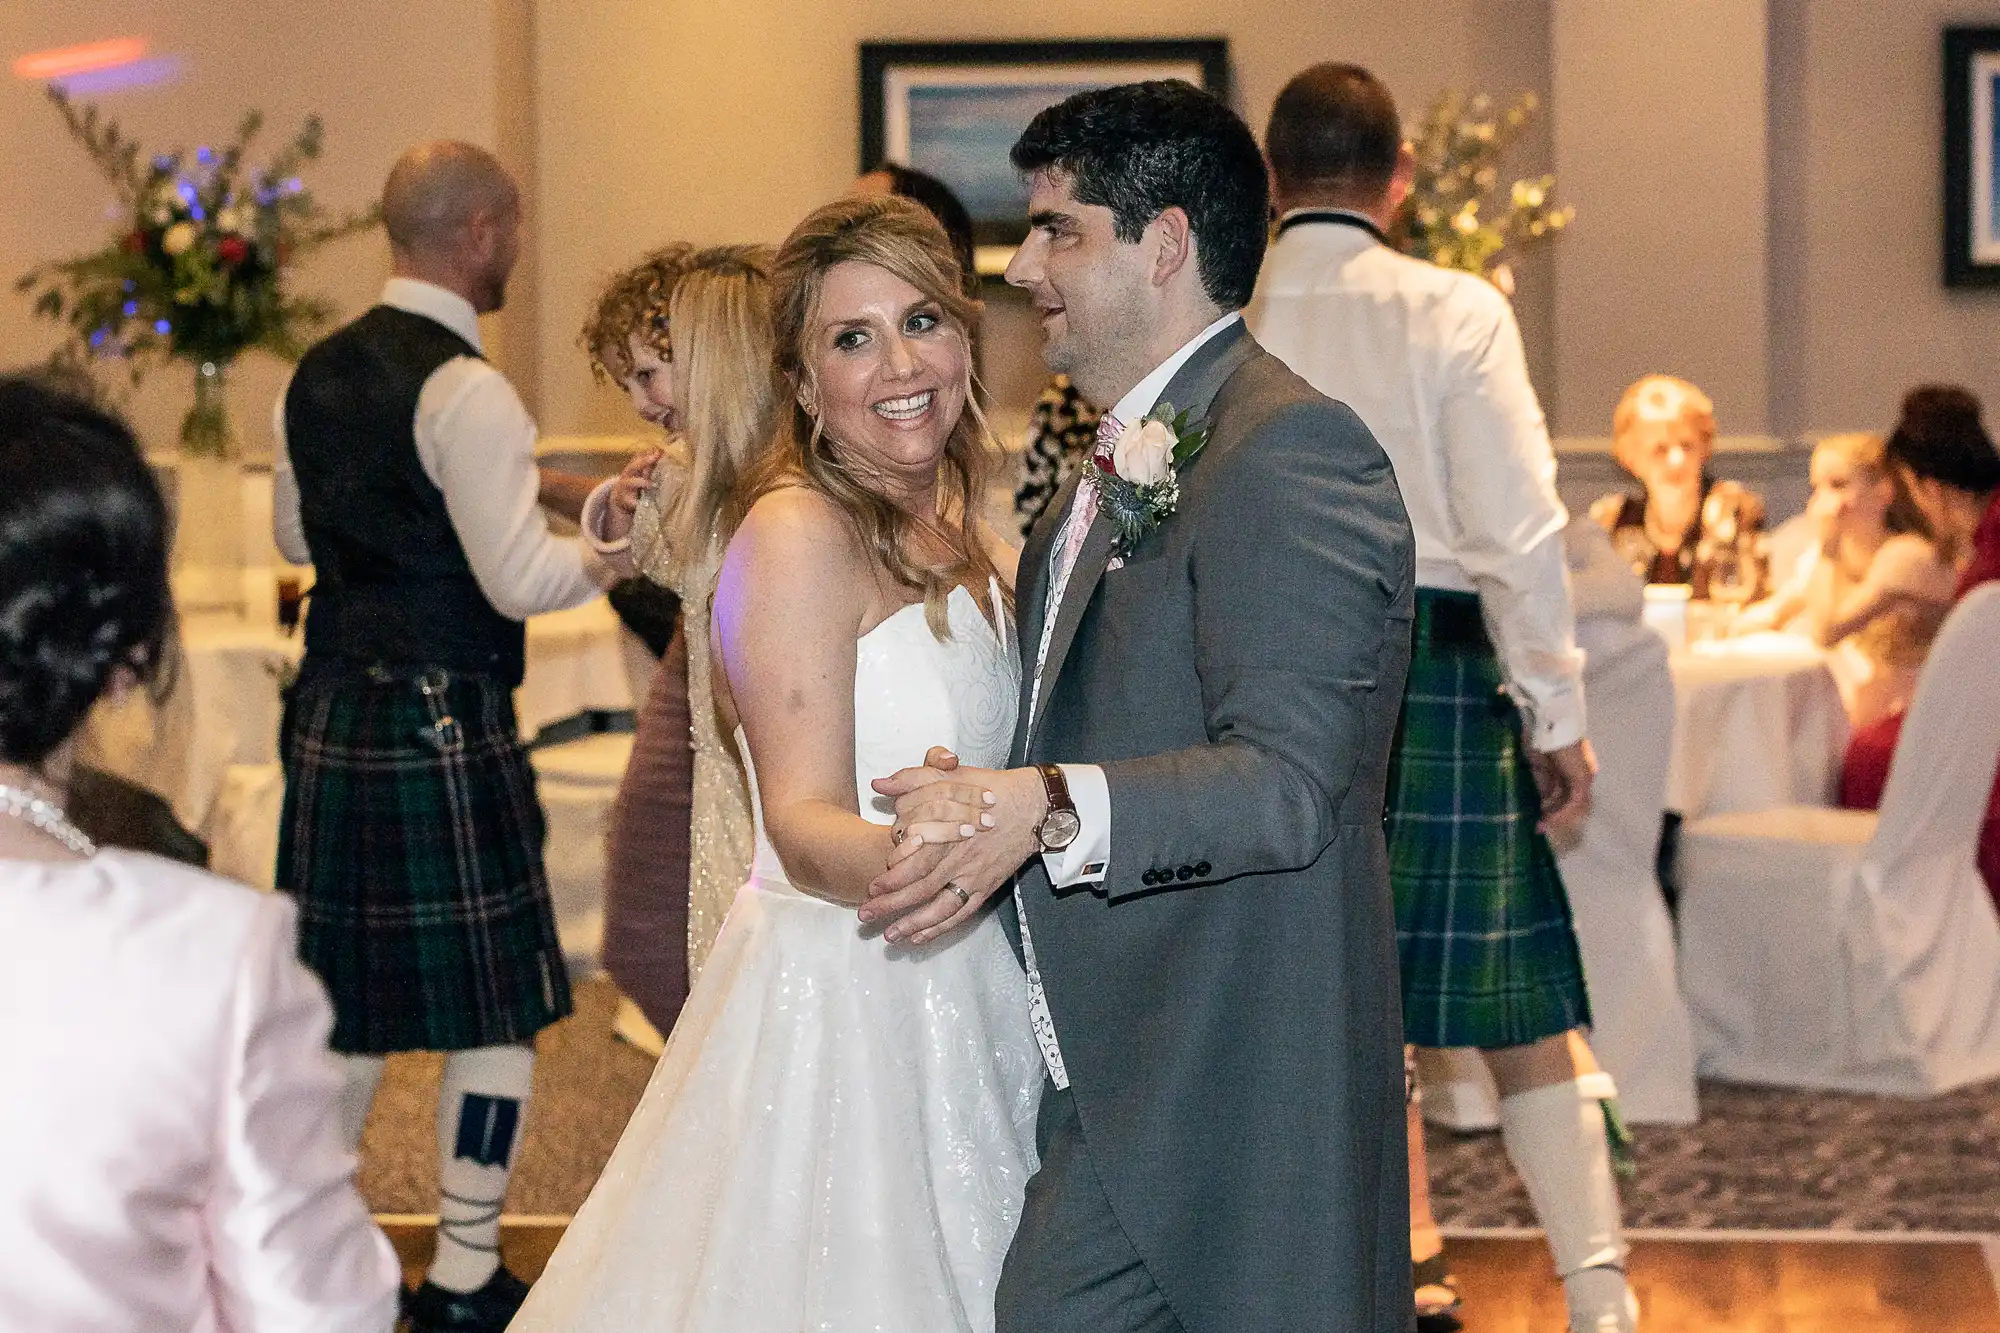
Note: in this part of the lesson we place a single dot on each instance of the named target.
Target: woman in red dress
(1949, 465)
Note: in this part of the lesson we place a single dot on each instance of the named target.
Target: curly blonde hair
(1653, 397)
(708, 314)
(636, 302)
(904, 239)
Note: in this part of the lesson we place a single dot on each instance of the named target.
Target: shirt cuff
(1556, 721)
(1084, 860)
(594, 510)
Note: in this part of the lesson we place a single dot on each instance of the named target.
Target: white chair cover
(242, 827)
(1641, 1035)
(1835, 949)
(578, 782)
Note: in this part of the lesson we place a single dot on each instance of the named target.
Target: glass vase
(208, 538)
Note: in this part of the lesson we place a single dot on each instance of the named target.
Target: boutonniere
(1137, 476)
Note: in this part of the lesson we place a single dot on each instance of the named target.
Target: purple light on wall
(146, 73)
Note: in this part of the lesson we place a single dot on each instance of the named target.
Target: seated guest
(1062, 431)
(170, 1155)
(1872, 586)
(1663, 433)
(1943, 455)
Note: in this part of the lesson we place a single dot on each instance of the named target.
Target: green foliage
(197, 272)
(1457, 215)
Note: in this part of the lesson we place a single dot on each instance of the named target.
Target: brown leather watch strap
(1057, 787)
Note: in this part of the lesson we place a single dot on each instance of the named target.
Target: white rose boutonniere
(1137, 478)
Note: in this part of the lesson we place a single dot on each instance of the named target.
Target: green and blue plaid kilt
(1482, 921)
(412, 840)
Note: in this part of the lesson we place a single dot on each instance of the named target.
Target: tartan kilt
(1483, 923)
(415, 855)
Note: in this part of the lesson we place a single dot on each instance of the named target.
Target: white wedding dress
(839, 1133)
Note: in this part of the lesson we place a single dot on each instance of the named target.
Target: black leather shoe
(433, 1309)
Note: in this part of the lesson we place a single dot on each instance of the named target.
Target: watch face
(1059, 829)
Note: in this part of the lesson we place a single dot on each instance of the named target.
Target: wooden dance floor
(1688, 1282)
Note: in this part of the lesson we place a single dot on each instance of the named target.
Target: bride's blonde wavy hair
(901, 238)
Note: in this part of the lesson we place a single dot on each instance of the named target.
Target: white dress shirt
(1431, 360)
(170, 1148)
(476, 443)
(1087, 858)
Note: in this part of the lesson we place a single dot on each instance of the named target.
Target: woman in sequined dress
(701, 358)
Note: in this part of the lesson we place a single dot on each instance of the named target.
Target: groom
(1194, 826)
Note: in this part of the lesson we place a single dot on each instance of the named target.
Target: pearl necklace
(47, 816)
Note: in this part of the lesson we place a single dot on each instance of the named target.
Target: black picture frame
(893, 75)
(1971, 157)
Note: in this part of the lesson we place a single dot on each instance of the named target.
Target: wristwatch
(1061, 824)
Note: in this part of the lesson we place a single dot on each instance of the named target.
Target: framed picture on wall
(1971, 157)
(953, 109)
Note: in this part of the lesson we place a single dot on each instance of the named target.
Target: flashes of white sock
(1555, 1136)
(481, 1109)
(360, 1075)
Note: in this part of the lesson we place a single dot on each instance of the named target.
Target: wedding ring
(898, 836)
(964, 898)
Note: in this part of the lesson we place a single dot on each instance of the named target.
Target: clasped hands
(960, 834)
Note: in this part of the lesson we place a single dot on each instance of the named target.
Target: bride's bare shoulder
(789, 517)
(796, 534)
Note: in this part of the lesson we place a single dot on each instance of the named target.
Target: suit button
(1202, 868)
(1186, 873)
(1149, 879)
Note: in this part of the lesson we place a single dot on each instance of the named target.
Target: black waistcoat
(393, 583)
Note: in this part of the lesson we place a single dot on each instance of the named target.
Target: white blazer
(170, 1157)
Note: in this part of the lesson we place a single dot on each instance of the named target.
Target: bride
(840, 1131)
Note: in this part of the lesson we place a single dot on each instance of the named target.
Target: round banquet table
(1758, 724)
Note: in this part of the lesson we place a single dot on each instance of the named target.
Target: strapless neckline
(994, 624)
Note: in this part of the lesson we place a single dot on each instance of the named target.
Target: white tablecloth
(1758, 724)
(576, 664)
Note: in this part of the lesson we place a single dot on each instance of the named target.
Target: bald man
(411, 835)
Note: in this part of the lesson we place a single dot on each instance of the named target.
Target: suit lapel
(1031, 602)
(1083, 581)
(1192, 390)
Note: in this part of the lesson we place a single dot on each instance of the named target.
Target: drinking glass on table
(1735, 575)
(291, 596)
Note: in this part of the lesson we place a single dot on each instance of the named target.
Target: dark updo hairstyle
(944, 205)
(83, 562)
(1940, 435)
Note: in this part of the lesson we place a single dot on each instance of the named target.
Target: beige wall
(1757, 180)
(673, 119)
(1859, 308)
(1659, 139)
(383, 73)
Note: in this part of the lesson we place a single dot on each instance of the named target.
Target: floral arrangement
(1456, 215)
(1137, 475)
(196, 271)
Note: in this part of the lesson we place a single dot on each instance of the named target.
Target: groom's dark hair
(1142, 148)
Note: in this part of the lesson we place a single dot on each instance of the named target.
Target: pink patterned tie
(1108, 428)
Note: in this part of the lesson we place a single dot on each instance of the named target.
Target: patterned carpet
(1761, 1159)
(1765, 1159)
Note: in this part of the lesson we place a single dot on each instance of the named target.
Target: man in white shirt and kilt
(1490, 763)
(411, 834)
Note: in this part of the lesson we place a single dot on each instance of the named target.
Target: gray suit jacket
(1227, 999)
